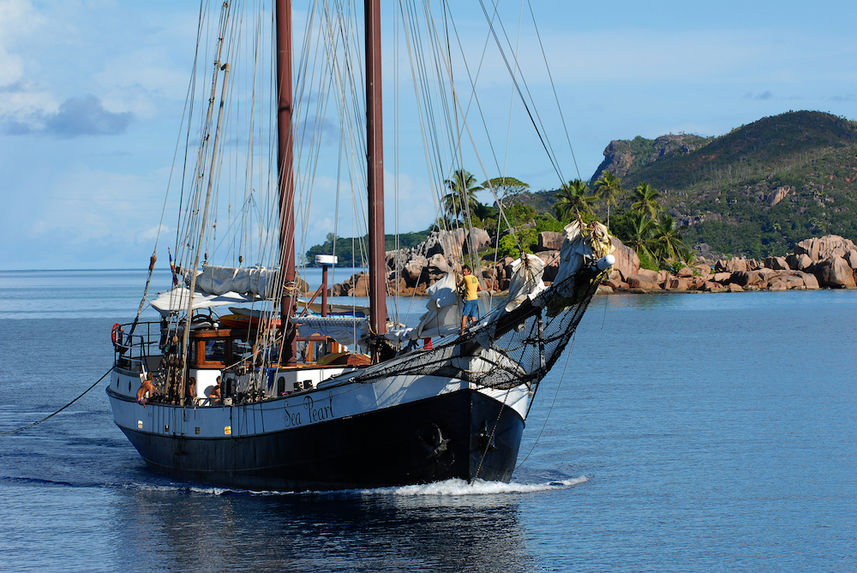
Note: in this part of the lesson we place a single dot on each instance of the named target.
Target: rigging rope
(28, 426)
(531, 113)
(553, 87)
(553, 403)
(491, 436)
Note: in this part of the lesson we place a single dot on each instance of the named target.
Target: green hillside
(755, 191)
(764, 186)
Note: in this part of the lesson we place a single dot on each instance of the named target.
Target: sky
(91, 96)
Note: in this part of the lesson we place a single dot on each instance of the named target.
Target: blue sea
(682, 432)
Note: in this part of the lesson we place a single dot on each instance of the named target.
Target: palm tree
(646, 200)
(687, 255)
(461, 198)
(641, 232)
(667, 239)
(573, 200)
(610, 188)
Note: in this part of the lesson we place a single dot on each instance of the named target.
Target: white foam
(176, 487)
(442, 489)
(458, 487)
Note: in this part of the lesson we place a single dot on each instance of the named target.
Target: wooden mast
(285, 169)
(375, 162)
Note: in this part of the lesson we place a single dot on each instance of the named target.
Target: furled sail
(581, 246)
(176, 300)
(252, 281)
(442, 316)
(526, 280)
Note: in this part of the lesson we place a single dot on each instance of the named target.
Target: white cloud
(18, 19)
(20, 96)
(148, 236)
(24, 102)
(76, 116)
(60, 52)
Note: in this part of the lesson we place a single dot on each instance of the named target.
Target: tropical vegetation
(755, 191)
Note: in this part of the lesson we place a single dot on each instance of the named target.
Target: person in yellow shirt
(470, 285)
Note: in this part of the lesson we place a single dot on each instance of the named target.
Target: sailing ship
(281, 393)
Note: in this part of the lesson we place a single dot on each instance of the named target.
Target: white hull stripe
(302, 409)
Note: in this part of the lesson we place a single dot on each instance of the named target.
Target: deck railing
(132, 351)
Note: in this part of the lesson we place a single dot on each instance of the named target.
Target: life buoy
(116, 334)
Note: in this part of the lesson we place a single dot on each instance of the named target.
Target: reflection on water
(434, 527)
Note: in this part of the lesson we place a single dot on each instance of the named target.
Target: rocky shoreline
(826, 262)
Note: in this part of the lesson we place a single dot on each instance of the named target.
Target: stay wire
(553, 403)
(553, 87)
(531, 113)
(28, 426)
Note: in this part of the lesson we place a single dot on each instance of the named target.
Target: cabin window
(211, 353)
(215, 351)
(281, 385)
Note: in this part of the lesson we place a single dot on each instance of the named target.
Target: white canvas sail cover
(442, 316)
(579, 248)
(176, 300)
(526, 280)
(253, 281)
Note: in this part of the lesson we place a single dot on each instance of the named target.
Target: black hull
(443, 437)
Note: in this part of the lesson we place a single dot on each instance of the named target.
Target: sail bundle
(252, 282)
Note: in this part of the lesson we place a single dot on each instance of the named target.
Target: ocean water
(699, 432)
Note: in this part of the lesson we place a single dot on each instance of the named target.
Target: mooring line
(28, 426)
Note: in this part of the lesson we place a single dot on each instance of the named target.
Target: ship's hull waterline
(459, 432)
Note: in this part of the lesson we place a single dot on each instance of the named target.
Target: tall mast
(375, 158)
(285, 169)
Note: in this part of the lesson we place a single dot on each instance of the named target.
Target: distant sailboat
(274, 397)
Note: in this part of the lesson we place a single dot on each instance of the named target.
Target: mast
(285, 169)
(375, 163)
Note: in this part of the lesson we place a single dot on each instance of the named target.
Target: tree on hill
(758, 189)
(505, 186)
(639, 233)
(657, 241)
(504, 190)
(351, 250)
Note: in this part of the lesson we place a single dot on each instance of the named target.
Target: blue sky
(91, 94)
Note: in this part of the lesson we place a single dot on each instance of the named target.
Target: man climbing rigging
(469, 286)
